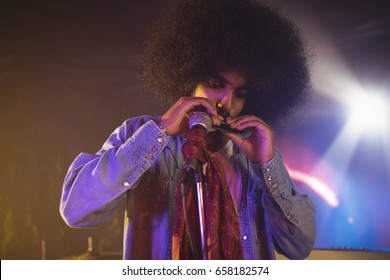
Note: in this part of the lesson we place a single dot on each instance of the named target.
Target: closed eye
(243, 93)
(218, 82)
(215, 83)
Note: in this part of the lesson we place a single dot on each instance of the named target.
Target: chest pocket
(148, 202)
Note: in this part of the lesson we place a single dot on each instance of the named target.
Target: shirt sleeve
(290, 215)
(96, 183)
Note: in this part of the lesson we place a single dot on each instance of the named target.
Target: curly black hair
(198, 38)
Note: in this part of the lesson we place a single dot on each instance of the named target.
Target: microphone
(200, 120)
(199, 124)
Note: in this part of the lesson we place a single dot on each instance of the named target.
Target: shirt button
(269, 178)
(274, 186)
(126, 184)
(160, 139)
(245, 237)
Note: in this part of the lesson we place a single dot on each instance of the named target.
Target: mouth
(222, 112)
(223, 127)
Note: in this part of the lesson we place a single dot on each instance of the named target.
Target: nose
(226, 99)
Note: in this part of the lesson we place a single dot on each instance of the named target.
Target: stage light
(370, 113)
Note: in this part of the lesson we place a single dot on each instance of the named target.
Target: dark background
(68, 79)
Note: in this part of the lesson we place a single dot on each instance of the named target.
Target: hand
(175, 120)
(259, 147)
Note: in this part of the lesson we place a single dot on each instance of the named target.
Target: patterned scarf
(222, 226)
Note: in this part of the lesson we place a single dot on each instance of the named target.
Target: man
(238, 56)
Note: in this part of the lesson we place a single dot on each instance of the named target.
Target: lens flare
(318, 186)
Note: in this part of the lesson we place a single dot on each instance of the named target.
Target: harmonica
(223, 126)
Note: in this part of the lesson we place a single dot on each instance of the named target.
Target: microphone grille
(200, 118)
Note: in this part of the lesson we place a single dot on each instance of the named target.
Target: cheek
(238, 107)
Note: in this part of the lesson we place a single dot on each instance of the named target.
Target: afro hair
(198, 38)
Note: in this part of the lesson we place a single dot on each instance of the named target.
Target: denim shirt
(141, 164)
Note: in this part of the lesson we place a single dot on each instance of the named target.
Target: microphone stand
(200, 191)
(194, 178)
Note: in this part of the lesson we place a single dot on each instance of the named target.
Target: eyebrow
(243, 87)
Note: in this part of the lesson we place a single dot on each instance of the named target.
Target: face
(228, 89)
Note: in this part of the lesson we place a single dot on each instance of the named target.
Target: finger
(245, 117)
(248, 122)
(194, 102)
(216, 120)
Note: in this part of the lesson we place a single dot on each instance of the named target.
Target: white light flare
(370, 113)
(321, 188)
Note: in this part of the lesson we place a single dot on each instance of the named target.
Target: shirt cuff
(147, 142)
(273, 172)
